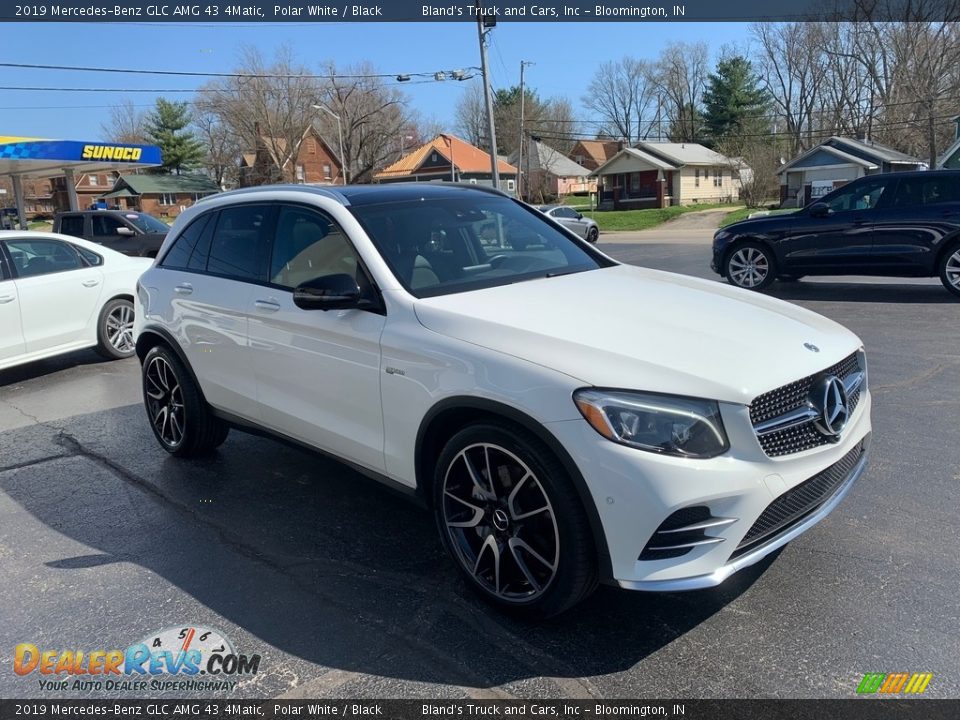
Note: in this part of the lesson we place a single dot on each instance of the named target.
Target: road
(343, 589)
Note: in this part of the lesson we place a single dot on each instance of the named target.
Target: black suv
(903, 224)
(126, 231)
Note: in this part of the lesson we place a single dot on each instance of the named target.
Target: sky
(566, 56)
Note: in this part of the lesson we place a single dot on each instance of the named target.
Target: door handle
(183, 289)
(860, 221)
(4, 299)
(90, 283)
(268, 305)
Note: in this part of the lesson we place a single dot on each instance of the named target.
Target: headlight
(721, 235)
(666, 424)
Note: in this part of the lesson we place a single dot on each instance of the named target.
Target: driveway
(693, 228)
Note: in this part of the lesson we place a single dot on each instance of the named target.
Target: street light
(343, 160)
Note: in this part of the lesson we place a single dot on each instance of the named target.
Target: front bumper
(635, 491)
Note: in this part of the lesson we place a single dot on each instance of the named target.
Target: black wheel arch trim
(145, 343)
(512, 414)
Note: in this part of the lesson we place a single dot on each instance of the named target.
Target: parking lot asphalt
(344, 591)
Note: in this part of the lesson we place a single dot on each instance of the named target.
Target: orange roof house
(448, 158)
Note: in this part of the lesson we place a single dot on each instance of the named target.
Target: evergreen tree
(734, 103)
(167, 126)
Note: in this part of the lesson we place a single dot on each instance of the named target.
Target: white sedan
(59, 294)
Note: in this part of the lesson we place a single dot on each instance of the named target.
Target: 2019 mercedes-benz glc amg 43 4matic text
(569, 420)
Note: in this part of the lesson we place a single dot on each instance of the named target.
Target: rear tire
(115, 330)
(750, 266)
(178, 415)
(950, 269)
(512, 521)
(593, 234)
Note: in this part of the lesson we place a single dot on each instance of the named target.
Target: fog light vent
(682, 531)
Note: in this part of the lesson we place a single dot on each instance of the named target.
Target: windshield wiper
(565, 272)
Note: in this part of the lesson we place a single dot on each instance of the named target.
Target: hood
(633, 328)
(760, 224)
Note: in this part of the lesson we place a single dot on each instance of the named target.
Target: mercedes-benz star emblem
(829, 398)
(811, 347)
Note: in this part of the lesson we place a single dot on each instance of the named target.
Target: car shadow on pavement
(305, 561)
(49, 366)
(862, 292)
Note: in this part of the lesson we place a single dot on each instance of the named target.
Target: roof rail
(313, 189)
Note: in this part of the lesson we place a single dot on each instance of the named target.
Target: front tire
(593, 234)
(750, 266)
(115, 330)
(950, 269)
(179, 416)
(512, 521)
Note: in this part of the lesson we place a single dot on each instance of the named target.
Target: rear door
(58, 293)
(72, 225)
(114, 233)
(840, 243)
(215, 265)
(908, 233)
(11, 329)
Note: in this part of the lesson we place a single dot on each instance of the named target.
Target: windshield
(147, 223)
(454, 245)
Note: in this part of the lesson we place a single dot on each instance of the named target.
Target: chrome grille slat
(792, 398)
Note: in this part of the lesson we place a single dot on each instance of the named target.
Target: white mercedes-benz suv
(569, 420)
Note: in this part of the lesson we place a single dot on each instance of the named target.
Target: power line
(184, 73)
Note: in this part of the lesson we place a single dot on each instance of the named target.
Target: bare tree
(223, 146)
(372, 115)
(127, 124)
(270, 102)
(470, 115)
(681, 75)
(623, 93)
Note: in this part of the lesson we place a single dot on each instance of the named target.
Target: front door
(115, 234)
(841, 241)
(318, 372)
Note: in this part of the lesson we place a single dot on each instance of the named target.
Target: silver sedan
(570, 218)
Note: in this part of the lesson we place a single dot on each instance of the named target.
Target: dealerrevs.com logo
(185, 658)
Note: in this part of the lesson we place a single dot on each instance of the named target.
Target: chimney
(619, 145)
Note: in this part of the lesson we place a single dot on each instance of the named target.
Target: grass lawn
(644, 219)
(744, 213)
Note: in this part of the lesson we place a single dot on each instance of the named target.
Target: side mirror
(579, 216)
(328, 292)
(123, 230)
(819, 210)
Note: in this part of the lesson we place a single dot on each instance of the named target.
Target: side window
(104, 225)
(179, 256)
(241, 238)
(930, 190)
(72, 225)
(89, 256)
(309, 245)
(862, 196)
(42, 257)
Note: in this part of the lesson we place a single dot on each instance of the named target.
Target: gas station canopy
(22, 157)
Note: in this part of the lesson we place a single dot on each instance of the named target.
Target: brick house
(37, 197)
(90, 186)
(315, 162)
(164, 196)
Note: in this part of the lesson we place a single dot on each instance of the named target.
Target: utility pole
(523, 64)
(483, 27)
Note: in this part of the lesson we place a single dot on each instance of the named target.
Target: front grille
(792, 397)
(799, 502)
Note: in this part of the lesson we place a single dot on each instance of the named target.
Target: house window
(326, 171)
(300, 174)
(510, 185)
(696, 177)
(718, 178)
(168, 199)
(93, 180)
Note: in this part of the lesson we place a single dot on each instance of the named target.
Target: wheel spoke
(513, 494)
(491, 543)
(475, 477)
(521, 563)
(486, 457)
(477, 512)
(516, 542)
